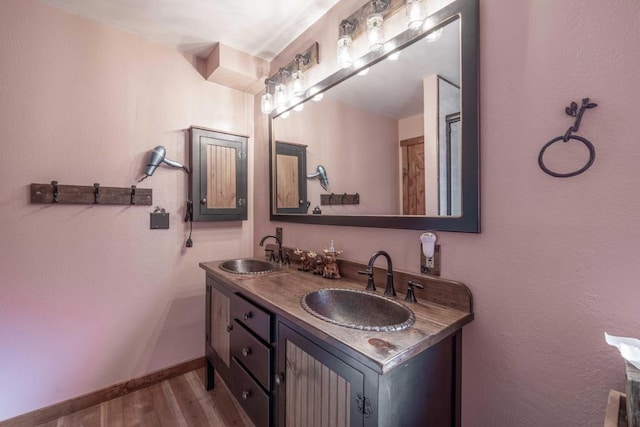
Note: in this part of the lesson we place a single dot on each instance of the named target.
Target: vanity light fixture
(280, 91)
(266, 103)
(345, 54)
(297, 77)
(415, 11)
(375, 34)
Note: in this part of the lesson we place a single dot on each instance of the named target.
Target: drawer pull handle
(246, 351)
(248, 315)
(246, 394)
(229, 328)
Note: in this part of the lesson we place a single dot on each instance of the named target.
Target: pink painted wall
(89, 296)
(556, 263)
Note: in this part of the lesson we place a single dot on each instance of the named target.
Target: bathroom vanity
(289, 368)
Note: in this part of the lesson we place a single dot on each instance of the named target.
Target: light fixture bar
(311, 53)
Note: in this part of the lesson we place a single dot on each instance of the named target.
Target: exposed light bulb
(299, 107)
(374, 31)
(318, 97)
(280, 95)
(364, 72)
(394, 56)
(285, 114)
(266, 103)
(297, 83)
(345, 57)
(415, 14)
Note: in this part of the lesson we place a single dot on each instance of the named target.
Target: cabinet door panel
(218, 339)
(318, 388)
(218, 177)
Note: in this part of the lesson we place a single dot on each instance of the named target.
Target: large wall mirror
(397, 140)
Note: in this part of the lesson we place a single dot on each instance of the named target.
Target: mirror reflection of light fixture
(434, 35)
(415, 13)
(280, 91)
(266, 102)
(375, 34)
(321, 174)
(345, 55)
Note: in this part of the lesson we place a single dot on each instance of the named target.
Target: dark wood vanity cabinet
(283, 373)
(239, 337)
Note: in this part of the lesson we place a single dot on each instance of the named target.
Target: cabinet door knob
(248, 315)
(246, 351)
(229, 328)
(279, 379)
(246, 394)
(203, 201)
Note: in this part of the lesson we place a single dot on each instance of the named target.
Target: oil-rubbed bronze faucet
(389, 291)
(280, 255)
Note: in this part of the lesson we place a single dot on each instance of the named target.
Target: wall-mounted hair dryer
(157, 157)
(321, 174)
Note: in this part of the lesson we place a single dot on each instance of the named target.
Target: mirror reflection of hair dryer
(157, 157)
(321, 174)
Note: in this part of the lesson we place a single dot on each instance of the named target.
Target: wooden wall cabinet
(218, 186)
(291, 178)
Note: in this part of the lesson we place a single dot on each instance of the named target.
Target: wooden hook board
(90, 194)
(340, 199)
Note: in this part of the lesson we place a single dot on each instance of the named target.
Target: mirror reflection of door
(413, 197)
(291, 182)
(450, 182)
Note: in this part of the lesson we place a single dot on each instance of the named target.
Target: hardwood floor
(181, 401)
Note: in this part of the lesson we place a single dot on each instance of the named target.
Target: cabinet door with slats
(316, 388)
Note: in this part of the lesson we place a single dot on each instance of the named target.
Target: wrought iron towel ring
(571, 110)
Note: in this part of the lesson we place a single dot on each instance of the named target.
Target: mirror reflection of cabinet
(291, 181)
(218, 175)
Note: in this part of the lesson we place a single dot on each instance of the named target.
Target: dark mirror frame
(469, 221)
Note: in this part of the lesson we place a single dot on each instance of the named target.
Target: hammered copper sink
(248, 266)
(358, 310)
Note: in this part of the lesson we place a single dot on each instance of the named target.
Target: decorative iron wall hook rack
(90, 194)
(571, 110)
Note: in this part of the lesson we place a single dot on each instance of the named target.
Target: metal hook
(572, 110)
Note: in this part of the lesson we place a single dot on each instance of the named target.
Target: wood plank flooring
(181, 401)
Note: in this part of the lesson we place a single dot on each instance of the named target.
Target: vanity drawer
(253, 317)
(252, 354)
(253, 399)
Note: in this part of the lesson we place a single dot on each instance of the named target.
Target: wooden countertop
(281, 291)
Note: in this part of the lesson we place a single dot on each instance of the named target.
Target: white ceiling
(260, 28)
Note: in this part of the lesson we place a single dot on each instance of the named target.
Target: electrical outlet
(430, 262)
(430, 266)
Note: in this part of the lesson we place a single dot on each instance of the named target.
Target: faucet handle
(411, 297)
(369, 272)
(270, 254)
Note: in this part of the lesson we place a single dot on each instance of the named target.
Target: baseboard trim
(50, 413)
